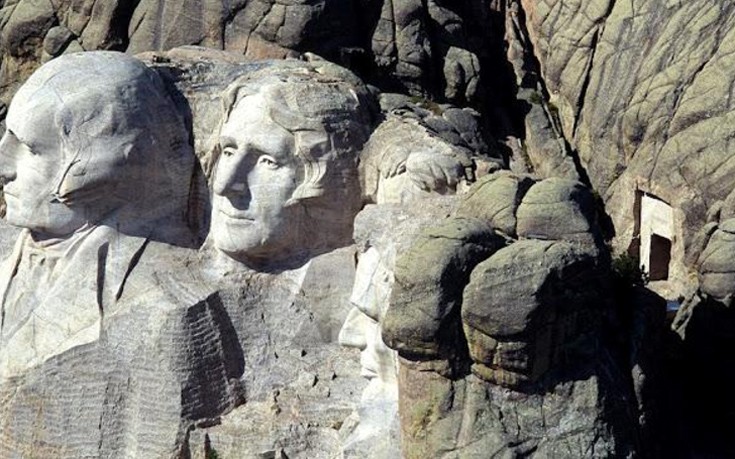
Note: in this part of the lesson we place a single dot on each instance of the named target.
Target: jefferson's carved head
(91, 135)
(286, 179)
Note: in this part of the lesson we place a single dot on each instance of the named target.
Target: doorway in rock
(660, 257)
(656, 219)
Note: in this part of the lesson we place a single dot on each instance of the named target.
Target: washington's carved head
(286, 179)
(87, 135)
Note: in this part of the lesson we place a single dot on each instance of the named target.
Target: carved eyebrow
(14, 135)
(227, 141)
(19, 140)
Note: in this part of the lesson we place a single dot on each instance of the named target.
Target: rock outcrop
(630, 99)
(425, 49)
(492, 332)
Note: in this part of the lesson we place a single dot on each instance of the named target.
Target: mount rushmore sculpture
(206, 239)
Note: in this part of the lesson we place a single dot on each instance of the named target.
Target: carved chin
(245, 239)
(42, 216)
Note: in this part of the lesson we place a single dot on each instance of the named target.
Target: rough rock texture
(436, 49)
(298, 385)
(495, 199)
(423, 147)
(716, 265)
(161, 365)
(643, 95)
(539, 145)
(36, 31)
(559, 209)
(491, 333)
(382, 232)
(424, 304)
(627, 97)
(517, 297)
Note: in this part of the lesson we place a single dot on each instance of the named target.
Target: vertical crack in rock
(588, 70)
(102, 253)
(586, 81)
(534, 79)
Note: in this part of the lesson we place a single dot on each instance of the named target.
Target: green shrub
(627, 271)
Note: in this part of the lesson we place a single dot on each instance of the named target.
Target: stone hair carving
(402, 162)
(96, 163)
(286, 180)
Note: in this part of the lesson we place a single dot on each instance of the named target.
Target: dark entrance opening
(660, 258)
(634, 249)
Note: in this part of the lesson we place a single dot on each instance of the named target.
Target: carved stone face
(30, 165)
(361, 330)
(93, 136)
(255, 178)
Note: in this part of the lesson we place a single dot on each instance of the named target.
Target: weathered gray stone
(558, 209)
(470, 418)
(717, 264)
(428, 285)
(530, 308)
(297, 384)
(382, 232)
(92, 295)
(403, 161)
(56, 40)
(495, 198)
(654, 118)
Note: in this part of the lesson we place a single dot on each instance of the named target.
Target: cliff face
(645, 97)
(633, 99)
(434, 48)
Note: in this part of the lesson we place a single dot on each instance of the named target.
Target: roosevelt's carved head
(88, 135)
(286, 179)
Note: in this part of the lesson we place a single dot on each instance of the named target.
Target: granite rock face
(631, 99)
(490, 330)
(157, 341)
(426, 49)
(513, 296)
(643, 97)
(112, 349)
(423, 148)
(382, 232)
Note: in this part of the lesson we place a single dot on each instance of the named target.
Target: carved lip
(368, 373)
(368, 366)
(237, 216)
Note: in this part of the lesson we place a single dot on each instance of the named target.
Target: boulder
(558, 209)
(425, 302)
(495, 198)
(717, 264)
(532, 307)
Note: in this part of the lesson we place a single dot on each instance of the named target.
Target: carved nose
(7, 162)
(230, 181)
(352, 333)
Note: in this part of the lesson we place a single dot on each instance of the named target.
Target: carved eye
(268, 161)
(228, 152)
